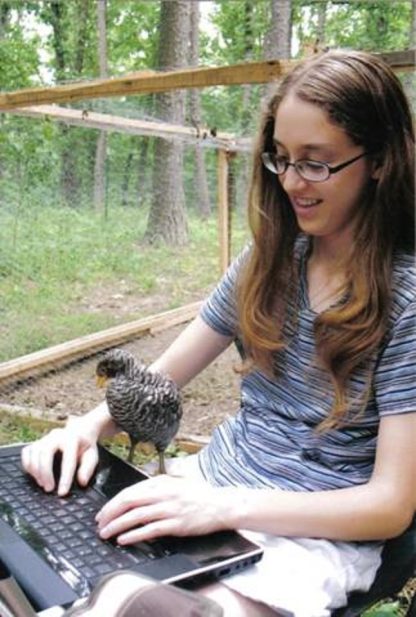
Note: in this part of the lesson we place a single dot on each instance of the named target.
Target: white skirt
(305, 577)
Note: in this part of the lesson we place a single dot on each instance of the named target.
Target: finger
(32, 463)
(132, 518)
(26, 458)
(44, 466)
(68, 466)
(88, 463)
(140, 494)
(151, 531)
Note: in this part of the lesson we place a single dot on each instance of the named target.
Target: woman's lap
(299, 576)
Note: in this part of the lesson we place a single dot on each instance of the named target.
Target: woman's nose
(291, 180)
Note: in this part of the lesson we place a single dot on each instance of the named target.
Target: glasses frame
(267, 160)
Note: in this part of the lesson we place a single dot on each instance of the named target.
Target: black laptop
(51, 547)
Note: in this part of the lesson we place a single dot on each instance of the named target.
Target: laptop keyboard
(63, 530)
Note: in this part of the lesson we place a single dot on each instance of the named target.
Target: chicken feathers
(144, 404)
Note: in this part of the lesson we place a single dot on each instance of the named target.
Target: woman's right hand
(77, 442)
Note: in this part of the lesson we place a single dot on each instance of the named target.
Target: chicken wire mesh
(78, 185)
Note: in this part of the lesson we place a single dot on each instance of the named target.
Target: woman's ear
(376, 167)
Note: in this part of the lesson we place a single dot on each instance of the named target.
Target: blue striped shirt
(272, 440)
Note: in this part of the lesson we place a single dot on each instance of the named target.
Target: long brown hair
(361, 94)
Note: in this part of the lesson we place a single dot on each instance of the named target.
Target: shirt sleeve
(219, 311)
(395, 376)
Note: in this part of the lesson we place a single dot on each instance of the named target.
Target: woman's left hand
(166, 505)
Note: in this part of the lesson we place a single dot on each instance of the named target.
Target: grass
(21, 429)
(53, 259)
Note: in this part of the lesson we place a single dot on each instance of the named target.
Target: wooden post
(223, 210)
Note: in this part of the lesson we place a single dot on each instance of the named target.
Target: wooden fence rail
(149, 82)
(46, 359)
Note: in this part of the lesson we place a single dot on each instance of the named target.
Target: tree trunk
(277, 43)
(167, 216)
(321, 25)
(69, 181)
(57, 9)
(238, 186)
(278, 38)
(101, 150)
(143, 182)
(5, 13)
(83, 8)
(126, 179)
(201, 184)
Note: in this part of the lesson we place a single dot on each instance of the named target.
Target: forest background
(97, 228)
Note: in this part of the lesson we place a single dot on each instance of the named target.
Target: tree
(278, 39)
(201, 184)
(167, 217)
(100, 154)
(72, 32)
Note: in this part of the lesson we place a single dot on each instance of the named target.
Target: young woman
(319, 464)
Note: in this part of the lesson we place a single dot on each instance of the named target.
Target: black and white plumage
(145, 404)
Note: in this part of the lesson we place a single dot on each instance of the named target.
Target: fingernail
(104, 533)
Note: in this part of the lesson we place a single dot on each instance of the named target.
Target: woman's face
(323, 209)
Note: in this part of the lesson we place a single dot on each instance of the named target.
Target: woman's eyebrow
(321, 148)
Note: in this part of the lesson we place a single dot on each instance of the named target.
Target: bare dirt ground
(208, 399)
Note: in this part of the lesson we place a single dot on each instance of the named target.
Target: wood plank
(107, 122)
(400, 60)
(145, 83)
(148, 82)
(85, 345)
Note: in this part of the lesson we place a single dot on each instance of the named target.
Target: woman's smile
(305, 207)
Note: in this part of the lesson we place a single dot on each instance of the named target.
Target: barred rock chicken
(146, 405)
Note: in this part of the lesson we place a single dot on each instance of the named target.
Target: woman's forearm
(360, 513)
(98, 422)
(192, 351)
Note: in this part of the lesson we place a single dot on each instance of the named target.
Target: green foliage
(242, 26)
(132, 35)
(373, 25)
(19, 59)
(383, 609)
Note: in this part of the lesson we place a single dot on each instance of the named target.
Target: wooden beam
(107, 122)
(400, 60)
(148, 82)
(86, 345)
(145, 83)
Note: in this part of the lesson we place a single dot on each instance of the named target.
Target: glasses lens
(280, 162)
(269, 162)
(312, 170)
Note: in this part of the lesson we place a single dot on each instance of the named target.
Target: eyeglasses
(312, 171)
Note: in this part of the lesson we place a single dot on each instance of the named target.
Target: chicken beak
(101, 381)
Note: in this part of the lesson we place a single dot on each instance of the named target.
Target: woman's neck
(326, 274)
